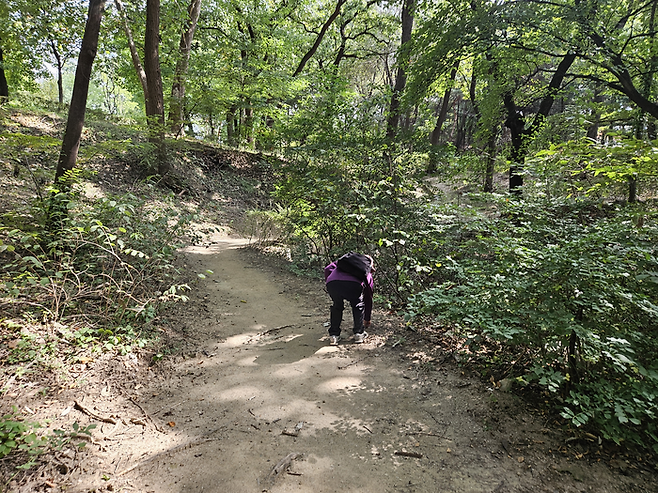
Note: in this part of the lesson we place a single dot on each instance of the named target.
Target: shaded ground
(385, 416)
(250, 367)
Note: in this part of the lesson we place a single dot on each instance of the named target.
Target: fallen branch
(275, 329)
(281, 466)
(349, 364)
(402, 453)
(171, 408)
(426, 434)
(145, 414)
(93, 414)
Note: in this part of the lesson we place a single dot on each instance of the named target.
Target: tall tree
(401, 75)
(522, 133)
(176, 106)
(56, 31)
(4, 86)
(134, 54)
(155, 100)
(75, 122)
(443, 109)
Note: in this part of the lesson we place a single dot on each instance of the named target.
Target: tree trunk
(155, 101)
(491, 161)
(176, 116)
(647, 86)
(60, 83)
(595, 116)
(522, 135)
(319, 39)
(639, 135)
(341, 49)
(141, 75)
(230, 126)
(460, 133)
(71, 142)
(632, 189)
(443, 112)
(4, 87)
(401, 75)
(249, 125)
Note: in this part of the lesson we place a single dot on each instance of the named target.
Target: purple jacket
(333, 273)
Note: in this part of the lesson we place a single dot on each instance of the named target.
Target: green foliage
(622, 409)
(21, 438)
(110, 259)
(17, 435)
(367, 205)
(61, 438)
(574, 281)
(345, 187)
(586, 168)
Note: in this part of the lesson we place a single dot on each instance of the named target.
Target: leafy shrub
(21, 438)
(331, 209)
(585, 167)
(577, 283)
(17, 435)
(109, 260)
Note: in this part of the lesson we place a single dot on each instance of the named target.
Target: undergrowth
(102, 274)
(86, 281)
(569, 283)
(26, 442)
(572, 282)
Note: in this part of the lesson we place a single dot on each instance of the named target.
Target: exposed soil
(384, 416)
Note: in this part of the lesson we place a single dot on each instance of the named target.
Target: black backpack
(355, 264)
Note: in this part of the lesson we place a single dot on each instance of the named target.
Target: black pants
(353, 293)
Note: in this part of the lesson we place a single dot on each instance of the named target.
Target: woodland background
(498, 159)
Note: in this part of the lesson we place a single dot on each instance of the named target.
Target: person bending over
(350, 278)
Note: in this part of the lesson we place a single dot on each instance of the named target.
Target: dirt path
(369, 418)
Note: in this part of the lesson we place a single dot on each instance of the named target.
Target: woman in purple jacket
(345, 286)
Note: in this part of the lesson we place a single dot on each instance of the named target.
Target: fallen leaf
(172, 423)
(520, 459)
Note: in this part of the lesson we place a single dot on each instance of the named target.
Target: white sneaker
(333, 340)
(360, 337)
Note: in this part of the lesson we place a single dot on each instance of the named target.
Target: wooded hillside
(497, 159)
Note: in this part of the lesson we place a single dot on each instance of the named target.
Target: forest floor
(250, 397)
(256, 381)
